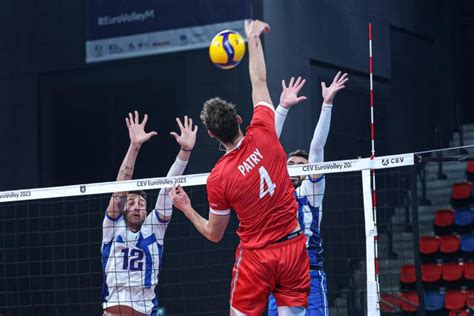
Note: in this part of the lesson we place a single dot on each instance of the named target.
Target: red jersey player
(252, 179)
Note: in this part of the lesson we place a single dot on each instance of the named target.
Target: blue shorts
(318, 302)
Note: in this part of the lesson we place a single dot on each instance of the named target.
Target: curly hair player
(252, 179)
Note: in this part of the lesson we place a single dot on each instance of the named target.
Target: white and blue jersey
(131, 263)
(310, 196)
(310, 200)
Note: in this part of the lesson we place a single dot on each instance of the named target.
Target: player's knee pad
(291, 311)
(235, 312)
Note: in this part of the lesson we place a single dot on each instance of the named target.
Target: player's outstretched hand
(289, 94)
(136, 130)
(255, 28)
(337, 84)
(179, 198)
(187, 137)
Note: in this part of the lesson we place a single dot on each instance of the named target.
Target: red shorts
(281, 268)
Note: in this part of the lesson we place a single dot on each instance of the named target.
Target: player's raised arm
(288, 98)
(316, 152)
(213, 228)
(138, 136)
(186, 139)
(257, 70)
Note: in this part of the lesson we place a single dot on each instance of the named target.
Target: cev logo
(141, 183)
(393, 161)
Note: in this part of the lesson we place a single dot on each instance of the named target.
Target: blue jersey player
(132, 240)
(309, 191)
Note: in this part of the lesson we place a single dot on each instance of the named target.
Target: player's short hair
(138, 192)
(299, 153)
(220, 118)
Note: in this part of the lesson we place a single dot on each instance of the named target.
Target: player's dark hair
(299, 153)
(138, 192)
(220, 117)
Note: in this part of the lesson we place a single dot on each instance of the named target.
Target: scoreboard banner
(118, 29)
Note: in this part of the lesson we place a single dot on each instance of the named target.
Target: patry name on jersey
(250, 162)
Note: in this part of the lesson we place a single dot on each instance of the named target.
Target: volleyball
(227, 49)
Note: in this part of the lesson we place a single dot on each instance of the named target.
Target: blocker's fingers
(186, 122)
(181, 127)
(343, 81)
(300, 99)
(298, 80)
(301, 84)
(145, 120)
(137, 118)
(190, 123)
(291, 82)
(344, 76)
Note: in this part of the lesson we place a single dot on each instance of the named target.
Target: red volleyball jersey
(253, 180)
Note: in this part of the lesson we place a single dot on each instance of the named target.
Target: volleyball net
(51, 260)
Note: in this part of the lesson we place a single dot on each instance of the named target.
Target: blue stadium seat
(434, 301)
(467, 245)
(463, 220)
(463, 217)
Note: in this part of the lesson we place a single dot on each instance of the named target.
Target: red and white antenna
(371, 71)
(372, 156)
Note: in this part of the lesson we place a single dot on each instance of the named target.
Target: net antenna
(370, 212)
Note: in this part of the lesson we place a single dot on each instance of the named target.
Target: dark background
(63, 120)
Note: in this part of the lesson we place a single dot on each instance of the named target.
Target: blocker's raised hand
(187, 137)
(337, 85)
(136, 130)
(289, 95)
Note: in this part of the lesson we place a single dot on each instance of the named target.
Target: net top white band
(339, 166)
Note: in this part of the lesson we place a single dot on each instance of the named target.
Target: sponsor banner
(384, 162)
(328, 167)
(200, 179)
(119, 29)
(393, 161)
(157, 42)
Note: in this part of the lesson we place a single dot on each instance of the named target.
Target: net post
(373, 308)
(416, 237)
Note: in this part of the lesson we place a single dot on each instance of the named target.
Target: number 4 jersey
(253, 180)
(131, 263)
